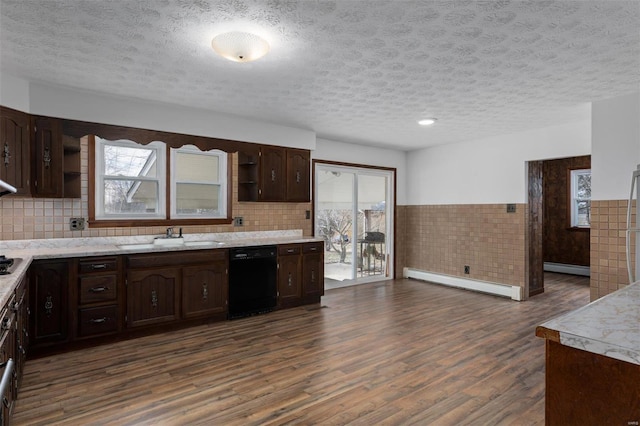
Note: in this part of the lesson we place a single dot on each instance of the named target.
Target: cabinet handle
(46, 158)
(313, 275)
(6, 323)
(99, 266)
(98, 289)
(297, 176)
(205, 292)
(48, 305)
(291, 250)
(22, 351)
(6, 154)
(154, 299)
(98, 320)
(273, 175)
(289, 282)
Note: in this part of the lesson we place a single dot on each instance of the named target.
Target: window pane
(583, 186)
(130, 196)
(196, 167)
(128, 161)
(197, 199)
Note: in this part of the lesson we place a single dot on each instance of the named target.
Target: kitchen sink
(169, 242)
(203, 243)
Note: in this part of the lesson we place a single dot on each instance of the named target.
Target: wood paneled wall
(562, 244)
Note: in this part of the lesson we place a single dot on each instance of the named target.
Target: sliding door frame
(393, 209)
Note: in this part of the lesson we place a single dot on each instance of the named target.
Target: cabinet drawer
(98, 288)
(313, 247)
(288, 250)
(103, 319)
(106, 264)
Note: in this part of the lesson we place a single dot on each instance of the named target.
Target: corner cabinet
(271, 173)
(14, 149)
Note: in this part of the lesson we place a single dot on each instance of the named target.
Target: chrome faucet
(169, 232)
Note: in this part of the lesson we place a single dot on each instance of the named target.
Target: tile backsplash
(37, 218)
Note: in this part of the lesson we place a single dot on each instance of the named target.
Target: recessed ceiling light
(427, 121)
(239, 46)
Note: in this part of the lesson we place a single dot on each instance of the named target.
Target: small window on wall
(581, 198)
(129, 180)
(198, 183)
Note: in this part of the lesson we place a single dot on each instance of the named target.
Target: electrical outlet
(238, 221)
(307, 214)
(467, 269)
(76, 223)
(511, 208)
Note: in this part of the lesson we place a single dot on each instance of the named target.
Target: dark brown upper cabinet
(55, 160)
(47, 158)
(298, 175)
(271, 173)
(14, 149)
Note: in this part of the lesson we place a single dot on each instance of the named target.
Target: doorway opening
(354, 207)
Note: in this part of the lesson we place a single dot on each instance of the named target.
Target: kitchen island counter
(593, 362)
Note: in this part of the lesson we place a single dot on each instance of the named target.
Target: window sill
(579, 228)
(128, 223)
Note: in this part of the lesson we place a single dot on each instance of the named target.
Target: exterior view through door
(354, 215)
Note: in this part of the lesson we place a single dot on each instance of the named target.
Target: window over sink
(153, 184)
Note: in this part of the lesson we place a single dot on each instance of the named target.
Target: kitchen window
(152, 184)
(580, 198)
(198, 188)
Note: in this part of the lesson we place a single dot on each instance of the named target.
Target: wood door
(289, 280)
(204, 289)
(313, 270)
(152, 296)
(47, 158)
(272, 174)
(14, 149)
(535, 258)
(49, 291)
(298, 169)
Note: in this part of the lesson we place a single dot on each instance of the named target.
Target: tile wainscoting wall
(36, 218)
(444, 238)
(608, 241)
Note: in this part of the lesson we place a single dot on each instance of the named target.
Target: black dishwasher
(253, 287)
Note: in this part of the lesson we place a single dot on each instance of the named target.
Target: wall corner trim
(505, 290)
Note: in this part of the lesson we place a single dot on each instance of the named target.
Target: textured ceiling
(359, 71)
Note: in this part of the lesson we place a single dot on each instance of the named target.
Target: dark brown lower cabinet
(7, 353)
(205, 287)
(153, 296)
(312, 270)
(48, 300)
(289, 275)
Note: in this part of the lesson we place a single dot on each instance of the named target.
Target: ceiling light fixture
(239, 46)
(427, 121)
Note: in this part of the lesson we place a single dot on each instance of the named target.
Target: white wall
(359, 154)
(616, 146)
(87, 106)
(14, 92)
(490, 170)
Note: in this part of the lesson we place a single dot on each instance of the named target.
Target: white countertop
(609, 326)
(56, 248)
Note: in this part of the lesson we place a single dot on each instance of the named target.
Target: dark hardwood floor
(398, 352)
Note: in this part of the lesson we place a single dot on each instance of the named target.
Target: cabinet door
(49, 295)
(298, 169)
(312, 274)
(47, 158)
(289, 280)
(14, 149)
(204, 289)
(22, 328)
(152, 296)
(272, 178)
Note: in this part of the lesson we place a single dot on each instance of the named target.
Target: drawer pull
(99, 266)
(98, 320)
(291, 250)
(98, 289)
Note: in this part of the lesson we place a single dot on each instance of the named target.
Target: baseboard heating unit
(513, 292)
(563, 268)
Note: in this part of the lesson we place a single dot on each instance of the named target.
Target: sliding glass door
(354, 215)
